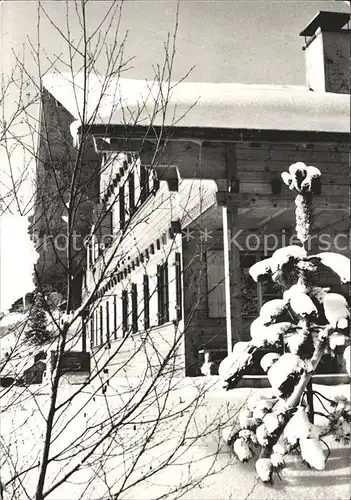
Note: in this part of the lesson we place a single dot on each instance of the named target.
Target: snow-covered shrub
(37, 332)
(308, 322)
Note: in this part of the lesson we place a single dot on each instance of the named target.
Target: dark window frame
(163, 293)
(134, 304)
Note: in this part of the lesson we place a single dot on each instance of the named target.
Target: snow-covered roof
(196, 104)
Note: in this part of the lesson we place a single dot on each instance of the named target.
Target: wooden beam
(268, 219)
(194, 159)
(279, 201)
(226, 249)
(232, 253)
(232, 271)
(127, 132)
(183, 154)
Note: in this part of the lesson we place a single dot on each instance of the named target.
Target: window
(146, 293)
(215, 284)
(162, 293)
(125, 311)
(101, 326)
(254, 295)
(115, 326)
(178, 278)
(131, 189)
(134, 297)
(122, 211)
(107, 322)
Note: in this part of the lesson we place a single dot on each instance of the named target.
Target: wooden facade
(191, 196)
(193, 223)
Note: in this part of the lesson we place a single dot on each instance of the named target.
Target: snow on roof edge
(218, 105)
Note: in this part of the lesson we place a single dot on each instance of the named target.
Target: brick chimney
(327, 52)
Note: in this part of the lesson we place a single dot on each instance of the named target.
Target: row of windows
(130, 198)
(131, 313)
(131, 194)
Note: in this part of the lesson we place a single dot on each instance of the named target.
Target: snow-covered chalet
(190, 196)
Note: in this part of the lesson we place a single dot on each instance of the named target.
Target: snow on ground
(16, 354)
(10, 320)
(192, 410)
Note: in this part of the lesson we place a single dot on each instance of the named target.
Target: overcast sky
(227, 41)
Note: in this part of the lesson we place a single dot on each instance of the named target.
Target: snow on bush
(300, 328)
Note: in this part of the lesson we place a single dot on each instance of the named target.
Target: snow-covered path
(200, 460)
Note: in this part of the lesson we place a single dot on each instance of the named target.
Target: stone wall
(57, 161)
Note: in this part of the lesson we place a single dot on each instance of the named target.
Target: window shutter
(163, 293)
(90, 255)
(101, 325)
(131, 188)
(144, 183)
(122, 213)
(178, 279)
(134, 297)
(159, 295)
(126, 200)
(146, 295)
(107, 321)
(137, 182)
(165, 286)
(215, 284)
(172, 290)
(92, 333)
(155, 181)
(97, 327)
(115, 323)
